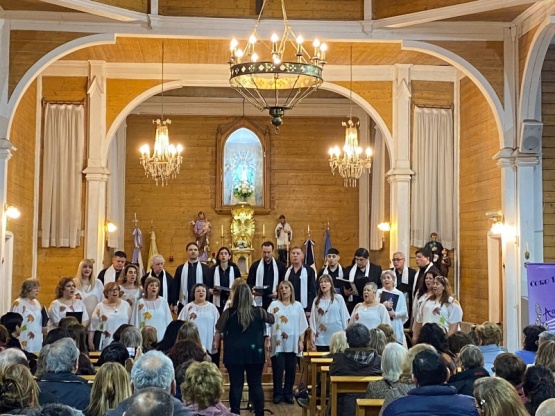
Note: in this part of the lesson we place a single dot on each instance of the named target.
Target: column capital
(399, 175)
(525, 159)
(96, 174)
(6, 146)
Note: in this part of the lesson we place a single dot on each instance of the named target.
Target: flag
(309, 258)
(153, 247)
(327, 244)
(137, 246)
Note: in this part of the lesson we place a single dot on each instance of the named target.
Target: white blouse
(30, 337)
(431, 311)
(327, 318)
(290, 323)
(205, 317)
(58, 310)
(131, 296)
(154, 313)
(107, 319)
(370, 316)
(91, 296)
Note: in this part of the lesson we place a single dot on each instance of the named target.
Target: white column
(364, 187)
(96, 171)
(6, 149)
(367, 9)
(4, 75)
(400, 174)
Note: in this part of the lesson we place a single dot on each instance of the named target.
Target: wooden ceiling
(32, 5)
(502, 15)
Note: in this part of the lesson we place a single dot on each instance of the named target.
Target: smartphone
(131, 352)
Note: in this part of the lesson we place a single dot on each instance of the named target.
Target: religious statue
(284, 234)
(436, 249)
(242, 233)
(201, 229)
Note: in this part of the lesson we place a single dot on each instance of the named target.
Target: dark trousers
(282, 255)
(254, 380)
(284, 362)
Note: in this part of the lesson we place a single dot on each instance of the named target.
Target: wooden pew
(315, 367)
(369, 407)
(306, 370)
(321, 409)
(348, 384)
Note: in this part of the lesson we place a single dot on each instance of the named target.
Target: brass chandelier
(282, 75)
(165, 161)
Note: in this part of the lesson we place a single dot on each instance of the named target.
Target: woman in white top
(204, 314)
(440, 308)
(109, 315)
(129, 284)
(152, 310)
(66, 302)
(286, 340)
(30, 309)
(423, 292)
(370, 312)
(328, 315)
(396, 306)
(87, 287)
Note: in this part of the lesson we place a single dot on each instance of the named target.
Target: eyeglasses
(396, 259)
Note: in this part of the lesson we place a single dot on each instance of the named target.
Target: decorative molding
(533, 16)
(100, 9)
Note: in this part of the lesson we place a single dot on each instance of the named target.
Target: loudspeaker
(530, 136)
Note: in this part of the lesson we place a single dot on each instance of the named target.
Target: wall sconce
(497, 226)
(110, 227)
(384, 226)
(12, 212)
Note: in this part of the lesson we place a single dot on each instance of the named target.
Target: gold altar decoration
(242, 233)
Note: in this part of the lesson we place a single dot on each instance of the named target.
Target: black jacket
(464, 381)
(67, 388)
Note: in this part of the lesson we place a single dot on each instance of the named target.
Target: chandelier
(351, 163)
(165, 161)
(282, 75)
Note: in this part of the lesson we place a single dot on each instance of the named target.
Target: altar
(242, 232)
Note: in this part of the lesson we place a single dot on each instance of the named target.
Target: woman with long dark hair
(243, 329)
(223, 275)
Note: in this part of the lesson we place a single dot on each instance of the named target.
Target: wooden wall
(302, 186)
(524, 45)
(21, 182)
(548, 154)
(480, 191)
(388, 8)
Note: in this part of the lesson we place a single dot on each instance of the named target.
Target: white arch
(46, 60)
(471, 72)
(365, 105)
(531, 79)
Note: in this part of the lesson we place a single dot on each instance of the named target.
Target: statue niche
(242, 233)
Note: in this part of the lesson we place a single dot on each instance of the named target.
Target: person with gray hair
(153, 369)
(392, 367)
(547, 408)
(150, 401)
(12, 356)
(60, 379)
(546, 336)
(472, 363)
(55, 409)
(165, 279)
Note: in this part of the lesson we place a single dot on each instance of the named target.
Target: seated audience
(132, 339)
(406, 383)
(4, 338)
(547, 408)
(538, 385)
(111, 386)
(117, 333)
(530, 344)
(189, 331)
(378, 341)
(67, 322)
(434, 335)
(203, 389)
(180, 377)
(150, 338)
(496, 397)
(12, 321)
(153, 369)
(458, 340)
(432, 393)
(388, 332)
(490, 336)
(511, 368)
(170, 336)
(79, 334)
(56, 409)
(472, 365)
(393, 356)
(184, 351)
(113, 353)
(150, 401)
(60, 379)
(338, 342)
(357, 360)
(41, 362)
(18, 390)
(546, 336)
(55, 335)
(546, 355)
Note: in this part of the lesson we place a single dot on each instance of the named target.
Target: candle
(222, 230)
(308, 227)
(263, 229)
(526, 246)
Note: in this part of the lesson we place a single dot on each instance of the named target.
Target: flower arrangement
(243, 189)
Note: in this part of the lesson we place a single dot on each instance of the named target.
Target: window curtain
(64, 144)
(116, 187)
(377, 198)
(433, 196)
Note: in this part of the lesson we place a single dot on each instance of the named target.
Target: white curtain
(433, 196)
(116, 188)
(377, 198)
(64, 144)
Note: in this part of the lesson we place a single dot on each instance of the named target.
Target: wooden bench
(348, 384)
(306, 370)
(369, 407)
(316, 365)
(321, 409)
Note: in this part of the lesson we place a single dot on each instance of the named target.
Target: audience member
(472, 364)
(132, 339)
(67, 321)
(203, 389)
(115, 352)
(538, 385)
(79, 334)
(150, 401)
(60, 380)
(378, 341)
(433, 334)
(547, 408)
(388, 332)
(117, 333)
(18, 390)
(394, 354)
(12, 321)
(338, 342)
(530, 344)
(111, 386)
(458, 340)
(184, 351)
(180, 377)
(56, 409)
(41, 362)
(546, 355)
(56, 334)
(150, 338)
(546, 336)
(357, 360)
(511, 368)
(430, 374)
(153, 369)
(490, 336)
(4, 338)
(170, 336)
(496, 397)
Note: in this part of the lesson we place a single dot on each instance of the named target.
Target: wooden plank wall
(56, 262)
(524, 45)
(21, 182)
(388, 8)
(480, 191)
(135, 5)
(302, 186)
(548, 154)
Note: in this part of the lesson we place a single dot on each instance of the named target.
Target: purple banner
(541, 294)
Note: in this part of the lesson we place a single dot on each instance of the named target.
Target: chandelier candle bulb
(263, 230)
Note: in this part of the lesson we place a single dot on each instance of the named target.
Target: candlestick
(309, 228)
(222, 230)
(263, 230)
